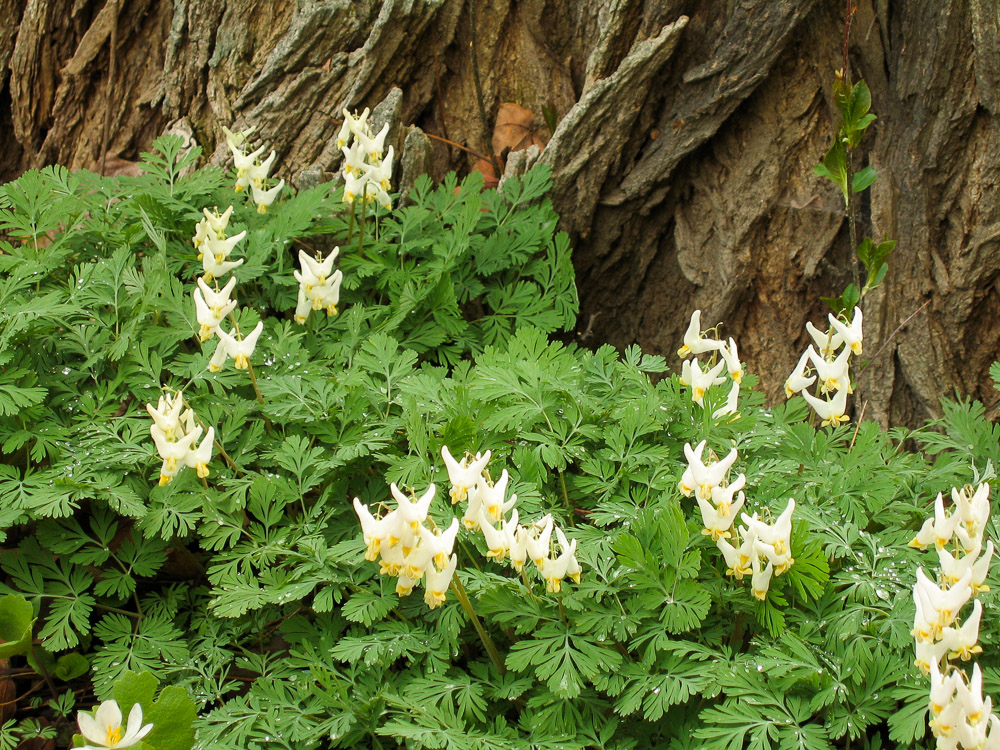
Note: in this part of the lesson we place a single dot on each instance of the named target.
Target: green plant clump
(249, 589)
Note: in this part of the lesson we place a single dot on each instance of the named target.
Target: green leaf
(172, 714)
(70, 666)
(16, 618)
(834, 167)
(863, 179)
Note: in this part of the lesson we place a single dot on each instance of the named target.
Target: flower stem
(491, 649)
(253, 381)
(361, 225)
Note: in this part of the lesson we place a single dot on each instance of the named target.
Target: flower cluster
(963, 571)
(367, 171)
(213, 247)
(830, 367)
(251, 170)
(960, 717)
(213, 305)
(486, 512)
(319, 285)
(700, 378)
(104, 728)
(175, 433)
(760, 550)
(408, 549)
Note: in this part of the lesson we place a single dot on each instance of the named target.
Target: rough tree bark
(687, 131)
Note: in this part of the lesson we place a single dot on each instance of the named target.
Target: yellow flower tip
(497, 554)
(412, 572)
(553, 585)
(317, 303)
(262, 208)
(977, 587)
(371, 554)
(685, 490)
(458, 494)
(204, 333)
(241, 362)
(684, 351)
(165, 479)
(915, 544)
(434, 599)
(348, 197)
(113, 737)
(402, 590)
(856, 347)
(202, 470)
(300, 319)
(238, 188)
(388, 568)
(214, 368)
(760, 594)
(201, 255)
(699, 394)
(575, 577)
(440, 561)
(518, 564)
(331, 310)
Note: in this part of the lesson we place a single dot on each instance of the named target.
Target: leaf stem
(491, 649)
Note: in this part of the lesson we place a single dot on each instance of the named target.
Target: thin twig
(898, 329)
(857, 425)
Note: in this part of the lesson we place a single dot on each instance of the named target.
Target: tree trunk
(683, 154)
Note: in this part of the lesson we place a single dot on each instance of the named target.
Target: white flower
(963, 641)
(938, 530)
(259, 169)
(264, 198)
(375, 530)
(464, 475)
(738, 559)
(942, 604)
(217, 222)
(172, 453)
(437, 582)
(244, 162)
(732, 403)
(240, 350)
(495, 538)
(352, 124)
(797, 381)
(832, 411)
(198, 458)
(851, 334)
(540, 534)
(413, 513)
(732, 359)
(315, 271)
(235, 140)
(209, 319)
(717, 521)
(553, 571)
(700, 478)
(701, 381)
(492, 497)
(833, 374)
(439, 544)
(166, 415)
(104, 729)
(826, 343)
(761, 579)
(214, 269)
(694, 341)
